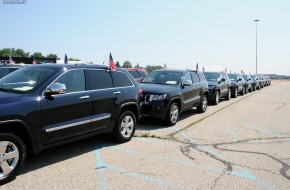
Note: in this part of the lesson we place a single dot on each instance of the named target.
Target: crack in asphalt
(283, 170)
(258, 169)
(185, 150)
(283, 105)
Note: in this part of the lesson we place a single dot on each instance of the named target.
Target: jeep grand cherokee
(168, 92)
(42, 106)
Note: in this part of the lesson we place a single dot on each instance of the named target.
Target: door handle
(84, 97)
(117, 92)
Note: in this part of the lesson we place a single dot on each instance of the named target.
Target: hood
(157, 88)
(212, 83)
(7, 97)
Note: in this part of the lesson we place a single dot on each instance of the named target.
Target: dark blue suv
(42, 106)
(219, 86)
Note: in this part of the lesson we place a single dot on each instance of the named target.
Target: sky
(216, 34)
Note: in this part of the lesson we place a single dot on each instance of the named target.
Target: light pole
(256, 20)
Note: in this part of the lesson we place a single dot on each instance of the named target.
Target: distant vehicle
(268, 80)
(249, 83)
(5, 69)
(219, 86)
(262, 80)
(139, 74)
(237, 84)
(256, 82)
(46, 105)
(168, 92)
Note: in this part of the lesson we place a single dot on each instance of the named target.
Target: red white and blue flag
(33, 61)
(112, 64)
(165, 66)
(65, 59)
(10, 61)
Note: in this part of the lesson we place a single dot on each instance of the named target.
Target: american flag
(197, 67)
(137, 66)
(65, 59)
(112, 64)
(203, 69)
(33, 61)
(165, 66)
(10, 60)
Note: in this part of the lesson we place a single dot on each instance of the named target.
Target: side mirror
(55, 88)
(187, 83)
(223, 80)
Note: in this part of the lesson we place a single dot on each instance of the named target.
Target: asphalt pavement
(243, 143)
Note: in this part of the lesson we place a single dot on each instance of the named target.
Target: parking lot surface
(243, 143)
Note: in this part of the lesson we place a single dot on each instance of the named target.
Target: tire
(125, 127)
(243, 91)
(235, 95)
(203, 104)
(172, 114)
(228, 97)
(246, 89)
(217, 98)
(11, 164)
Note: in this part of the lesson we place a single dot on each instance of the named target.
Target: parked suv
(219, 86)
(138, 73)
(249, 83)
(256, 82)
(42, 106)
(237, 84)
(168, 92)
(5, 69)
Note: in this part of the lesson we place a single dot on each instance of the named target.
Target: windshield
(233, 76)
(134, 74)
(163, 77)
(25, 79)
(211, 76)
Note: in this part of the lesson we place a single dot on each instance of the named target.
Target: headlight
(211, 87)
(157, 97)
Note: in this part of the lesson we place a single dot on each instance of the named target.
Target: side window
(3, 72)
(74, 80)
(188, 77)
(100, 79)
(224, 76)
(120, 79)
(195, 77)
(142, 74)
(201, 77)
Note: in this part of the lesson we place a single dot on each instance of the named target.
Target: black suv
(237, 84)
(47, 105)
(249, 83)
(219, 86)
(168, 92)
(5, 69)
(256, 82)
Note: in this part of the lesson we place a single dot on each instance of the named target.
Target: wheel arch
(18, 128)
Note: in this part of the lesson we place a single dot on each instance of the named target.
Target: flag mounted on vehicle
(10, 61)
(165, 66)
(112, 65)
(65, 59)
(196, 70)
(33, 61)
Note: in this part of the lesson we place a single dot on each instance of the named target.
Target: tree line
(7, 52)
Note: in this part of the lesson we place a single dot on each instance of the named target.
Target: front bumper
(157, 109)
